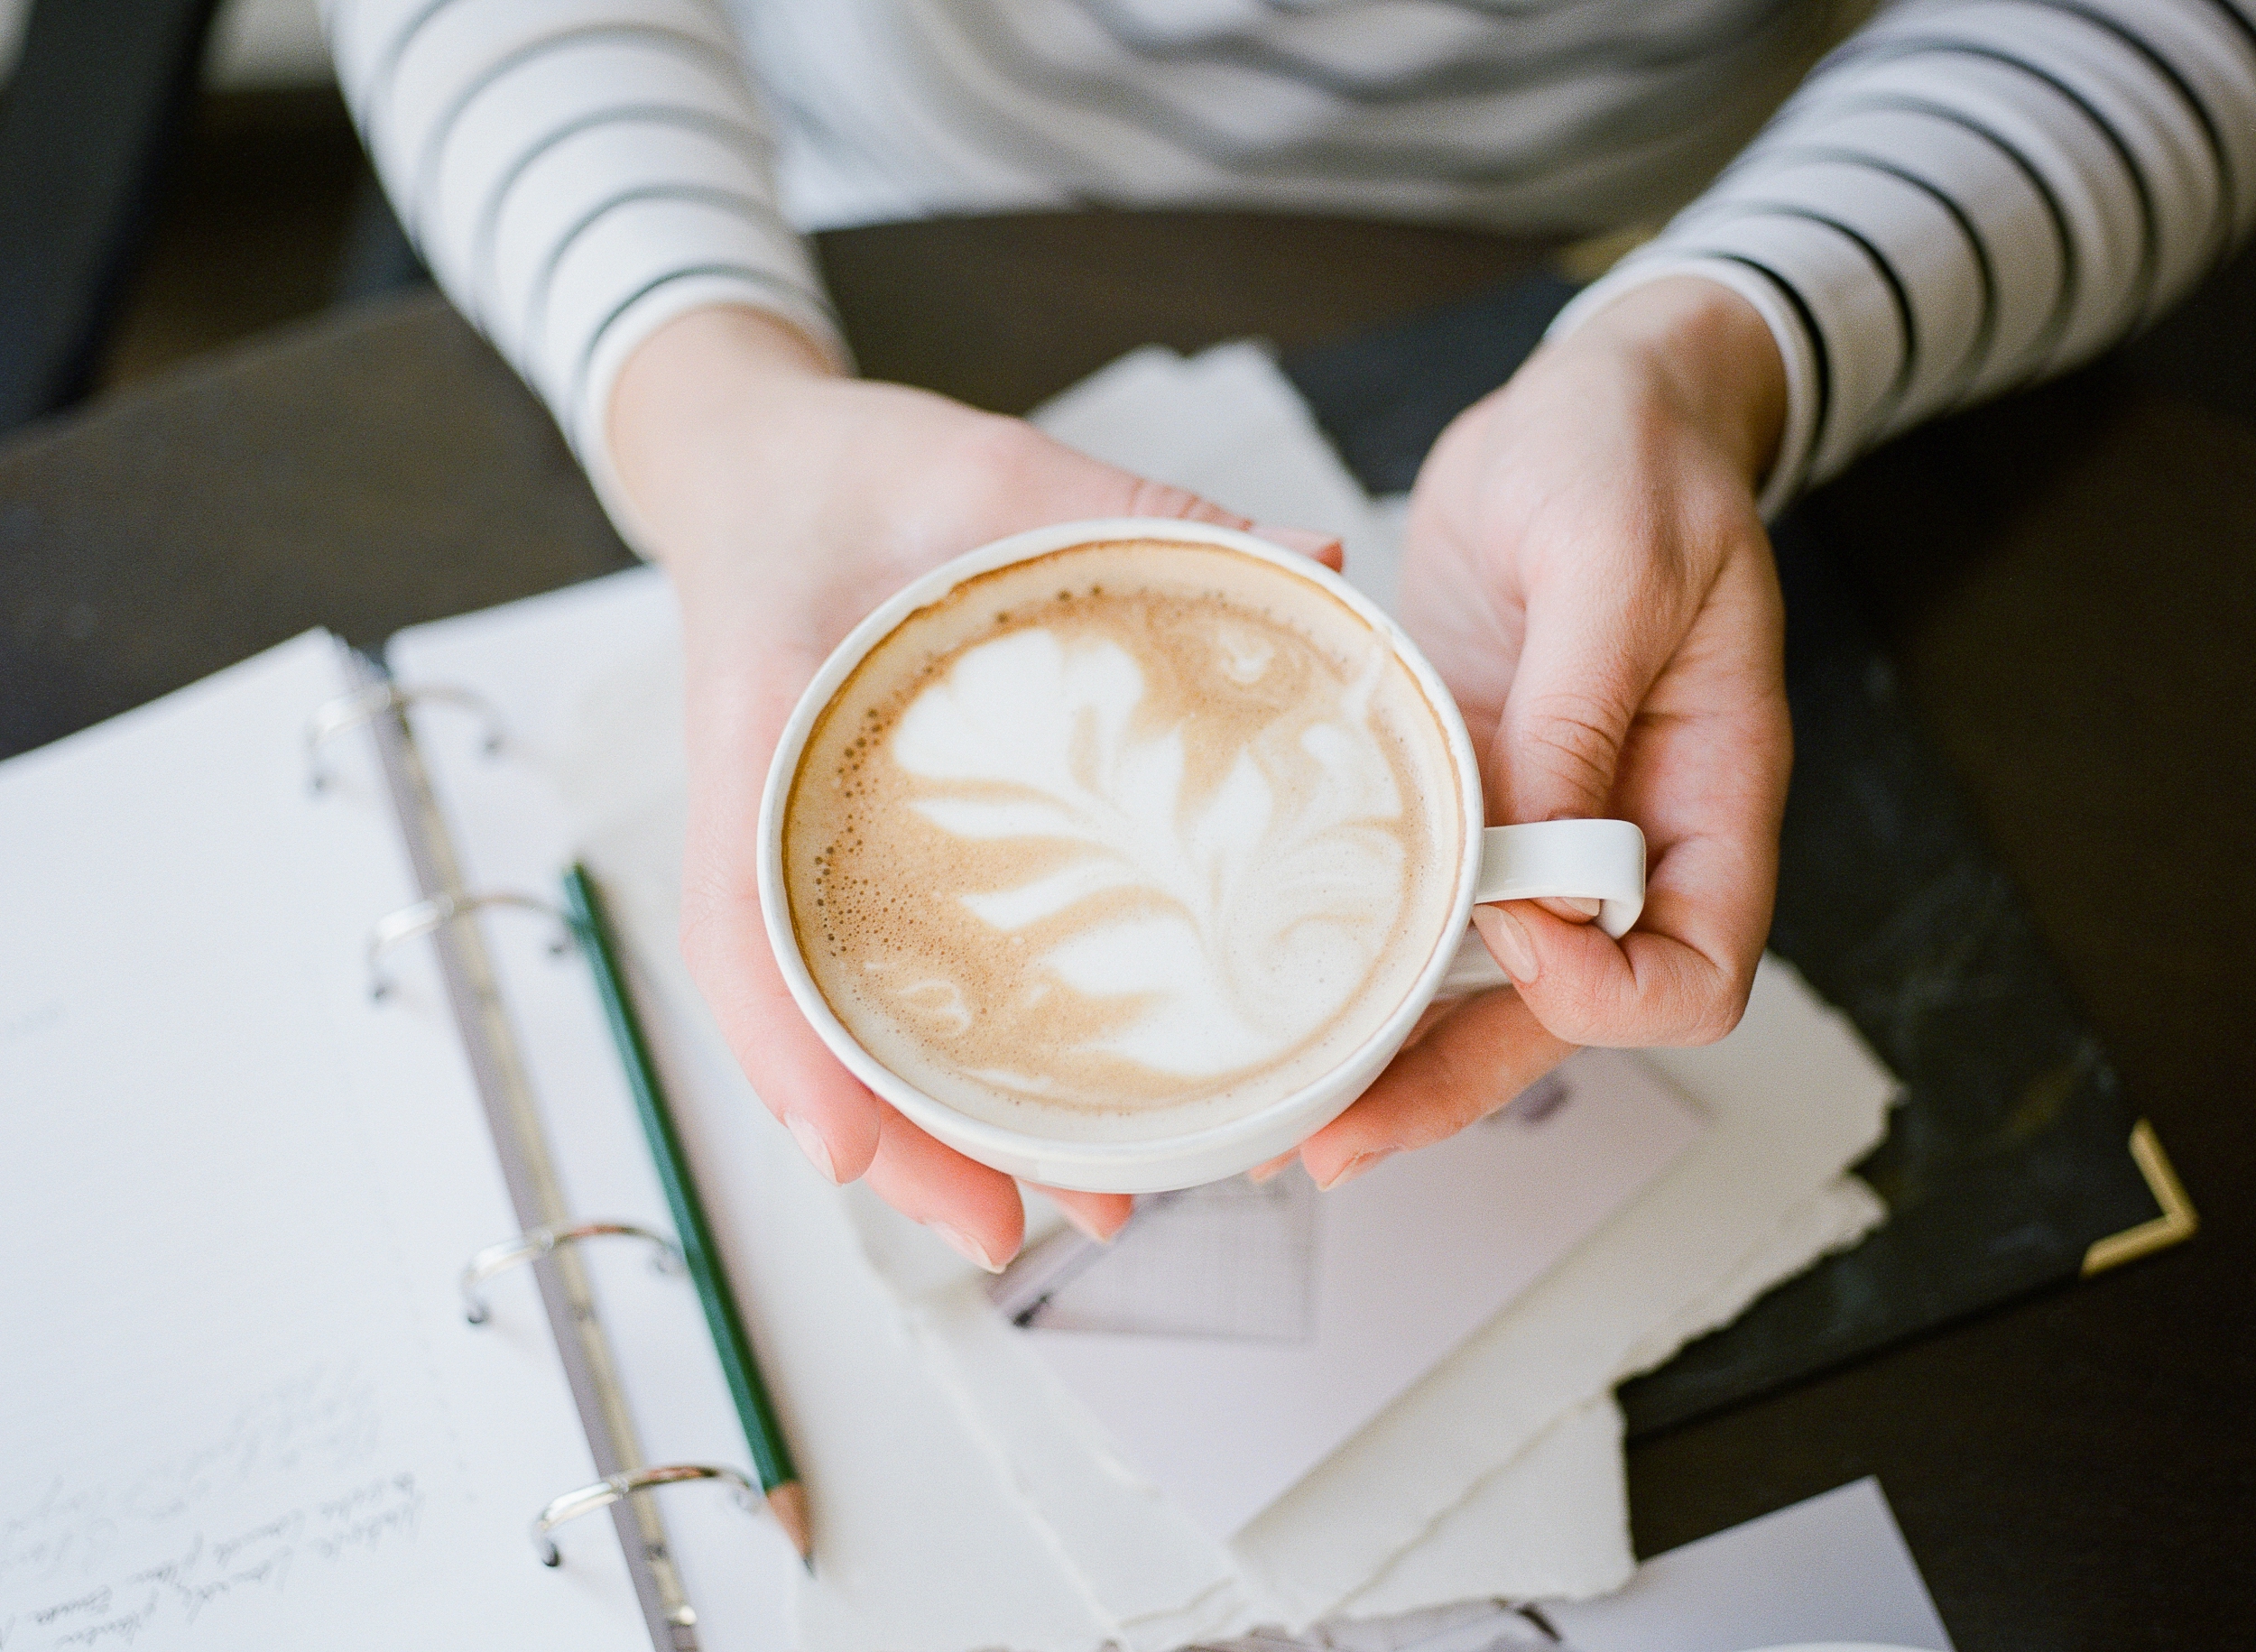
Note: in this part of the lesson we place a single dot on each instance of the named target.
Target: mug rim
(1336, 1087)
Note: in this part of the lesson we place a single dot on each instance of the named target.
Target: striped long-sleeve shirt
(1959, 197)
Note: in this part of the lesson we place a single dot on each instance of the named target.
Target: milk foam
(1126, 832)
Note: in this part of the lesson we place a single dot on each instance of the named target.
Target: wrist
(688, 399)
(1712, 354)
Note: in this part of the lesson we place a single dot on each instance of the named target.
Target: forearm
(576, 176)
(1970, 195)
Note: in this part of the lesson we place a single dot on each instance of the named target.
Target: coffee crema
(1123, 841)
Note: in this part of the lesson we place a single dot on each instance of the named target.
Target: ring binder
(534, 1243)
(375, 699)
(504, 1091)
(397, 928)
(611, 1488)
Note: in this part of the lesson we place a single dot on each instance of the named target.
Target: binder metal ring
(611, 1488)
(537, 1243)
(397, 928)
(333, 718)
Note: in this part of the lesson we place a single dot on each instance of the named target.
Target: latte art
(1125, 834)
(1239, 921)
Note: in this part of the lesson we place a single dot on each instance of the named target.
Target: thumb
(1575, 693)
(1578, 682)
(1592, 654)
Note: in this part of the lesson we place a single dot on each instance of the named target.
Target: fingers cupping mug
(1124, 855)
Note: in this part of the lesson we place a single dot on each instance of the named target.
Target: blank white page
(239, 1405)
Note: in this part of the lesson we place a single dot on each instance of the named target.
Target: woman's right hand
(786, 501)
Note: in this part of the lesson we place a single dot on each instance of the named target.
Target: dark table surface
(2065, 580)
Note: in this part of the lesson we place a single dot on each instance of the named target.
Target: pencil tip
(788, 1502)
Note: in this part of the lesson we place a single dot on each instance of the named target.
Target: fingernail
(1508, 939)
(811, 1142)
(1580, 906)
(972, 1249)
(1355, 1167)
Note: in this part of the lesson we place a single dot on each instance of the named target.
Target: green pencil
(769, 1455)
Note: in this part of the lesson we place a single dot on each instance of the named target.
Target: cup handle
(1589, 860)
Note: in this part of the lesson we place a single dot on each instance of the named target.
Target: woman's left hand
(1586, 569)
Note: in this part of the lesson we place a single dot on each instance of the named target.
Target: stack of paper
(969, 1491)
(1831, 1570)
(1238, 1336)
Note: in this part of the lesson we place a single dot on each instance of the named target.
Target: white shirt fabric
(1961, 197)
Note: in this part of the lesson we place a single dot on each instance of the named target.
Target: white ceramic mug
(1599, 860)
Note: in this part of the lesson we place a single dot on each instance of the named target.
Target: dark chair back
(88, 126)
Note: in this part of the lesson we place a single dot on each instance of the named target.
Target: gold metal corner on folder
(2176, 1223)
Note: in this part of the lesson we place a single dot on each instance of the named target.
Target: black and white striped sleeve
(1969, 195)
(575, 173)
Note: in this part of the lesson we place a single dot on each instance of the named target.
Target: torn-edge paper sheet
(1795, 1098)
(1834, 1218)
(1164, 1579)
(1553, 1523)
(1831, 1570)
